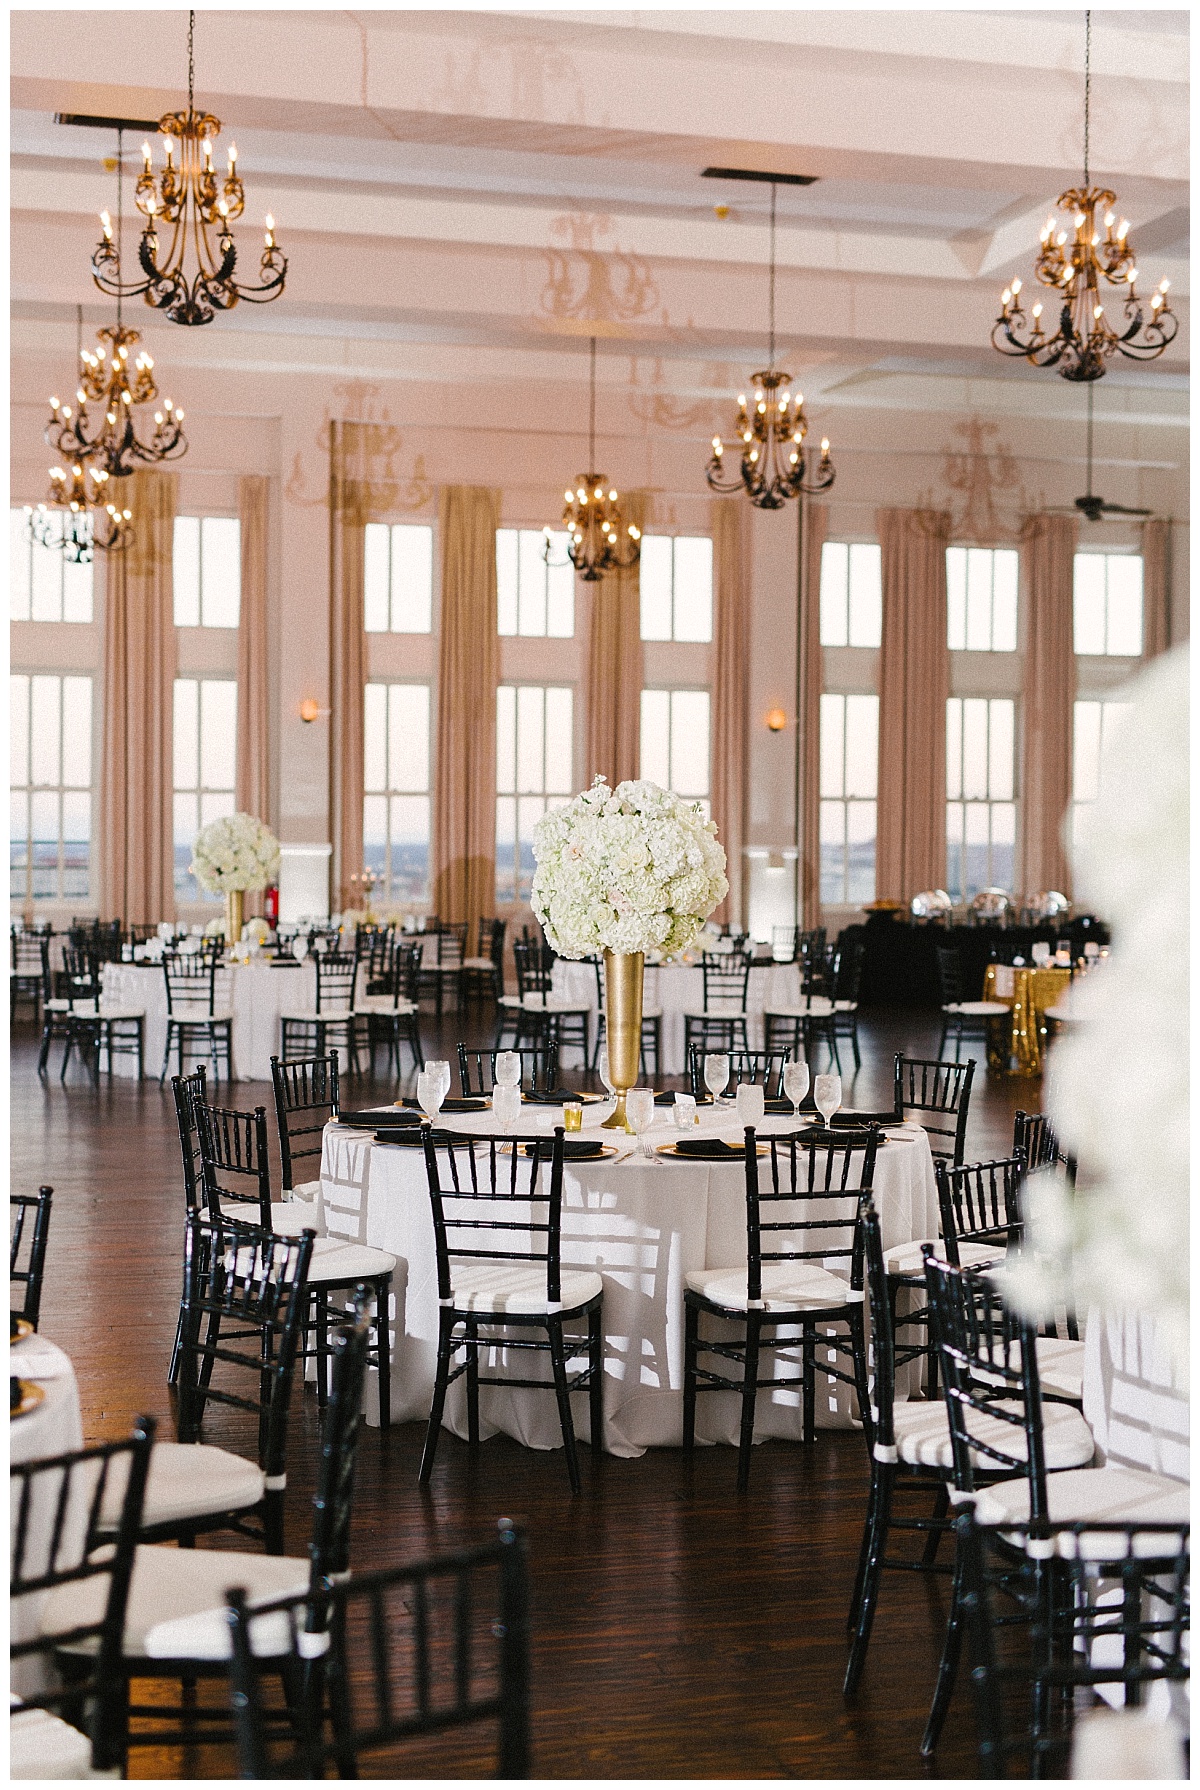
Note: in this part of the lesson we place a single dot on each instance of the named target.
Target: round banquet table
(256, 993)
(54, 1427)
(678, 989)
(643, 1226)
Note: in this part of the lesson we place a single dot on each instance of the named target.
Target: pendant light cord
(1090, 403)
(592, 414)
(192, 63)
(120, 210)
(771, 285)
(1087, 97)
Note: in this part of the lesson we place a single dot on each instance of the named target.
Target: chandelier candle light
(1074, 263)
(599, 541)
(771, 435)
(625, 871)
(76, 519)
(188, 200)
(112, 446)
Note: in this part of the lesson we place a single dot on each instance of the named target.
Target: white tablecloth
(643, 1227)
(1133, 1398)
(54, 1427)
(256, 993)
(678, 988)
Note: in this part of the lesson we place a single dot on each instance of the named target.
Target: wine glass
(827, 1091)
(639, 1110)
(429, 1093)
(795, 1083)
(602, 1069)
(751, 1102)
(506, 1106)
(440, 1067)
(508, 1069)
(716, 1073)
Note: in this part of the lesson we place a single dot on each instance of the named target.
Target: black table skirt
(900, 966)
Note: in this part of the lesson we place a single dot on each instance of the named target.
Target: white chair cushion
(307, 1190)
(42, 1745)
(923, 1436)
(551, 1003)
(845, 1006)
(107, 1012)
(1060, 1365)
(478, 963)
(519, 1287)
(715, 1013)
(337, 1263)
(327, 1016)
(978, 1009)
(907, 1257)
(1060, 1013)
(222, 1016)
(382, 1003)
(509, 1000)
(188, 1479)
(817, 1006)
(1105, 1495)
(56, 1006)
(786, 1286)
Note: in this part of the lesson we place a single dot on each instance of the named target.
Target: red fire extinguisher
(271, 905)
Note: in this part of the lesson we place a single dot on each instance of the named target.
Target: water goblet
(716, 1073)
(751, 1103)
(685, 1111)
(795, 1084)
(827, 1091)
(639, 1109)
(508, 1068)
(440, 1067)
(429, 1094)
(506, 1106)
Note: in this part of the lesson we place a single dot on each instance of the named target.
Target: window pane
(833, 851)
(506, 739)
(654, 576)
(44, 824)
(185, 571)
(186, 826)
(221, 571)
(560, 754)
(862, 745)
(77, 732)
(47, 584)
(1125, 604)
(975, 743)
(956, 598)
(833, 725)
(18, 833)
(18, 729)
(18, 566)
(1005, 565)
(860, 852)
(375, 736)
(412, 578)
(1000, 750)
(506, 580)
(1085, 774)
(410, 847)
(531, 739)
(77, 592)
(1089, 603)
(560, 590)
(531, 582)
(506, 833)
(77, 832)
(187, 733)
(408, 737)
(656, 737)
(218, 734)
(979, 600)
(45, 729)
(954, 748)
(866, 595)
(835, 560)
(215, 804)
(693, 587)
(376, 578)
(689, 742)
(375, 820)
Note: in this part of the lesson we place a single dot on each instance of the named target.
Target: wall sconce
(776, 720)
(311, 710)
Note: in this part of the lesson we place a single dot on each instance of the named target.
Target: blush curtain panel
(464, 800)
(1048, 569)
(1156, 586)
(809, 683)
(136, 858)
(731, 594)
(348, 517)
(615, 669)
(910, 850)
(253, 741)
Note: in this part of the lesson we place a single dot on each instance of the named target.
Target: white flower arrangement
(236, 852)
(629, 869)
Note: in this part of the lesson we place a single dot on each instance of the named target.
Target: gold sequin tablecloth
(1028, 992)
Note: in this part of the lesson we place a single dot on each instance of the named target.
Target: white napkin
(36, 1358)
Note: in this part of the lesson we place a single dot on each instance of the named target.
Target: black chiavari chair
(333, 1020)
(764, 1068)
(30, 974)
(29, 1233)
(721, 1023)
(196, 1025)
(477, 1070)
(306, 1100)
(964, 1021)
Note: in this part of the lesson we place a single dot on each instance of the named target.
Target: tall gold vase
(235, 908)
(623, 974)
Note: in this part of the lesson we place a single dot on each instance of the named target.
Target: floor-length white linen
(678, 989)
(643, 1228)
(1134, 1398)
(55, 1427)
(255, 992)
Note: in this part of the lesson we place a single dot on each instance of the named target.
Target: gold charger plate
(31, 1397)
(734, 1154)
(606, 1150)
(21, 1328)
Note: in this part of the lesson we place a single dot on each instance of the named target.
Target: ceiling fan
(1096, 508)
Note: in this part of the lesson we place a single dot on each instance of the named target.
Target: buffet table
(643, 1226)
(256, 993)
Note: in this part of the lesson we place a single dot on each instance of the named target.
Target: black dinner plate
(709, 1149)
(574, 1149)
(413, 1138)
(371, 1118)
(457, 1103)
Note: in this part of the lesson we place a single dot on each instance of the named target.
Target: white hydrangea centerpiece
(629, 869)
(235, 853)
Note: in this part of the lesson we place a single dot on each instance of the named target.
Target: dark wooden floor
(679, 1631)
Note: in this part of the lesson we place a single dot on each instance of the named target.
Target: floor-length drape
(910, 850)
(253, 775)
(464, 802)
(809, 681)
(1048, 567)
(136, 847)
(614, 668)
(731, 630)
(1156, 586)
(347, 653)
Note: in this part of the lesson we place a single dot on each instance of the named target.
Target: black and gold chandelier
(598, 538)
(78, 517)
(187, 201)
(771, 435)
(109, 442)
(1076, 263)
